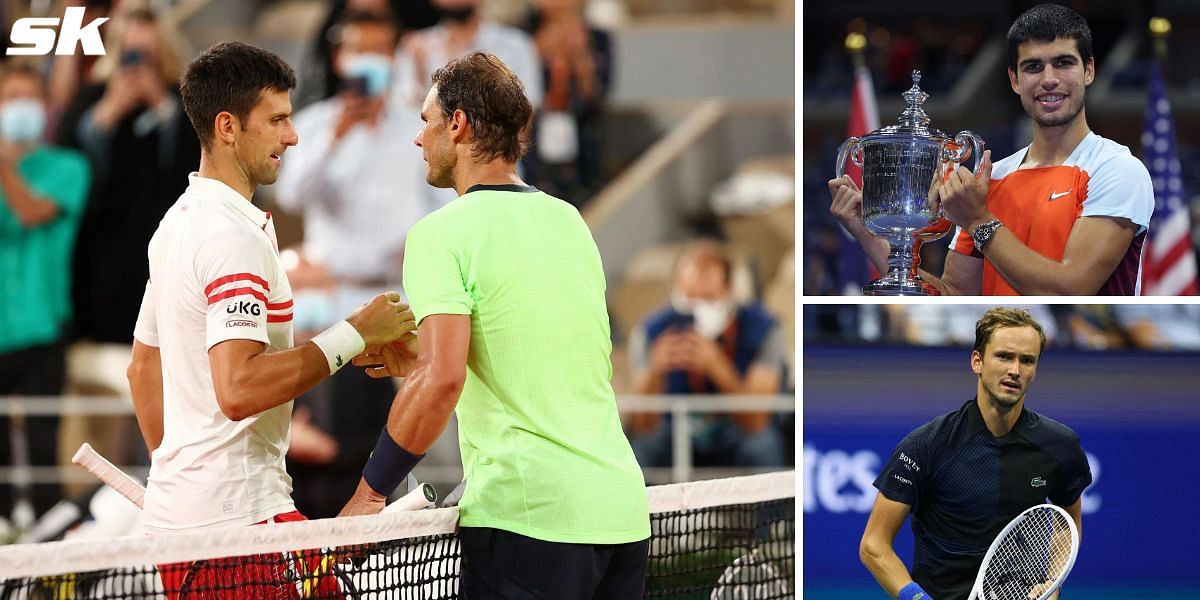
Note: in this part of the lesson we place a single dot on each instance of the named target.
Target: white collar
(219, 190)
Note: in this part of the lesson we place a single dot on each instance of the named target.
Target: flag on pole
(864, 114)
(1168, 260)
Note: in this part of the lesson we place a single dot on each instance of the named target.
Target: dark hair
(999, 318)
(1046, 23)
(230, 77)
(364, 17)
(494, 100)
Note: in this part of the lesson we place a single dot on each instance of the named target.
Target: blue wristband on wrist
(913, 591)
(388, 465)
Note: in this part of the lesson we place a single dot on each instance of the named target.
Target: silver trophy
(899, 164)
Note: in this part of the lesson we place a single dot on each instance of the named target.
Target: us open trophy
(899, 163)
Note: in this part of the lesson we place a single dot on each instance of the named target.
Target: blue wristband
(913, 591)
(389, 465)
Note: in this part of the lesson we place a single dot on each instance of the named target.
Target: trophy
(899, 163)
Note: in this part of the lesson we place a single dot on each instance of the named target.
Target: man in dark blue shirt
(966, 474)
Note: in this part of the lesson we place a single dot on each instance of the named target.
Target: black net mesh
(735, 551)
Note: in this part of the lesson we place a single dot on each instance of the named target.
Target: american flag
(1168, 260)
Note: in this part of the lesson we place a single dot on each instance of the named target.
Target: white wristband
(340, 343)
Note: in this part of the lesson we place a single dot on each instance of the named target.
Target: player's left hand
(365, 501)
(393, 359)
(962, 196)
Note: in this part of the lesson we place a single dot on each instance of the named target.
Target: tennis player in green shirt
(508, 291)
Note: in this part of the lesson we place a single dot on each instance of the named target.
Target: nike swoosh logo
(1054, 196)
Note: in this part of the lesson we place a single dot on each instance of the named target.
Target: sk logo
(1037, 482)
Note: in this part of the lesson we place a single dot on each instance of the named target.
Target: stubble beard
(1001, 400)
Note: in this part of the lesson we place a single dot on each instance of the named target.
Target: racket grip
(105, 471)
(424, 496)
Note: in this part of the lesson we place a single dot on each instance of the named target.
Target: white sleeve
(236, 267)
(1121, 187)
(146, 328)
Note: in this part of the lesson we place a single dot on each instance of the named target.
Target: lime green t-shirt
(542, 446)
(35, 262)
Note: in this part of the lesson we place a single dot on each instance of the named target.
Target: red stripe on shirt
(279, 305)
(252, 278)
(279, 318)
(236, 292)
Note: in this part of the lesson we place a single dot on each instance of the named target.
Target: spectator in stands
(42, 194)
(1160, 326)
(355, 169)
(141, 149)
(319, 80)
(69, 72)
(702, 343)
(460, 30)
(576, 62)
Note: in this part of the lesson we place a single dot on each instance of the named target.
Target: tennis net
(721, 539)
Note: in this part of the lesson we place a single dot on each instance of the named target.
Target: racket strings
(1030, 559)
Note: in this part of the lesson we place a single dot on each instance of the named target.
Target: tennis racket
(1030, 558)
(422, 496)
(105, 471)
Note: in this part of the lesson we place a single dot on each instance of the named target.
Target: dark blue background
(1137, 415)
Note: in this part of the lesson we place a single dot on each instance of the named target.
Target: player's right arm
(248, 379)
(876, 550)
(236, 266)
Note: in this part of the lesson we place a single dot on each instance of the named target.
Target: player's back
(537, 416)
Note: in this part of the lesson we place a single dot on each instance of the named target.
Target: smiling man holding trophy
(1066, 215)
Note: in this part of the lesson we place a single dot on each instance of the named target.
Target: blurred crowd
(95, 149)
(1091, 327)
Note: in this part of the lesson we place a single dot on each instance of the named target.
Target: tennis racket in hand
(1030, 558)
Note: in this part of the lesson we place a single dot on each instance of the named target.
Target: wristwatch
(983, 234)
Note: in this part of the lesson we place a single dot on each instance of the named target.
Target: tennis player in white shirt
(213, 372)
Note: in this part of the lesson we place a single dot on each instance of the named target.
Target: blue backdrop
(1137, 415)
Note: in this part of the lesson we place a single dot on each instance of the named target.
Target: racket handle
(424, 496)
(105, 471)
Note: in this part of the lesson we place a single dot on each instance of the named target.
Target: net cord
(52, 558)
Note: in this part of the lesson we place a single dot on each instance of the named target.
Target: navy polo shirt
(964, 485)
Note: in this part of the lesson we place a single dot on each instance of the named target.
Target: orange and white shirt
(1040, 206)
(215, 275)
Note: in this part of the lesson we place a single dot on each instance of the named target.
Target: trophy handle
(966, 145)
(852, 149)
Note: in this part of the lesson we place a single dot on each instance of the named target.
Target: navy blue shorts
(498, 564)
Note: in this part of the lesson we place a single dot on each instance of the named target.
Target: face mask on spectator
(373, 71)
(711, 316)
(22, 121)
(458, 14)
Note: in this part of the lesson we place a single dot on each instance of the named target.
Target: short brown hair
(493, 99)
(230, 77)
(1001, 317)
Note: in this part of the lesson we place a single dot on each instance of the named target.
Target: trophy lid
(913, 121)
